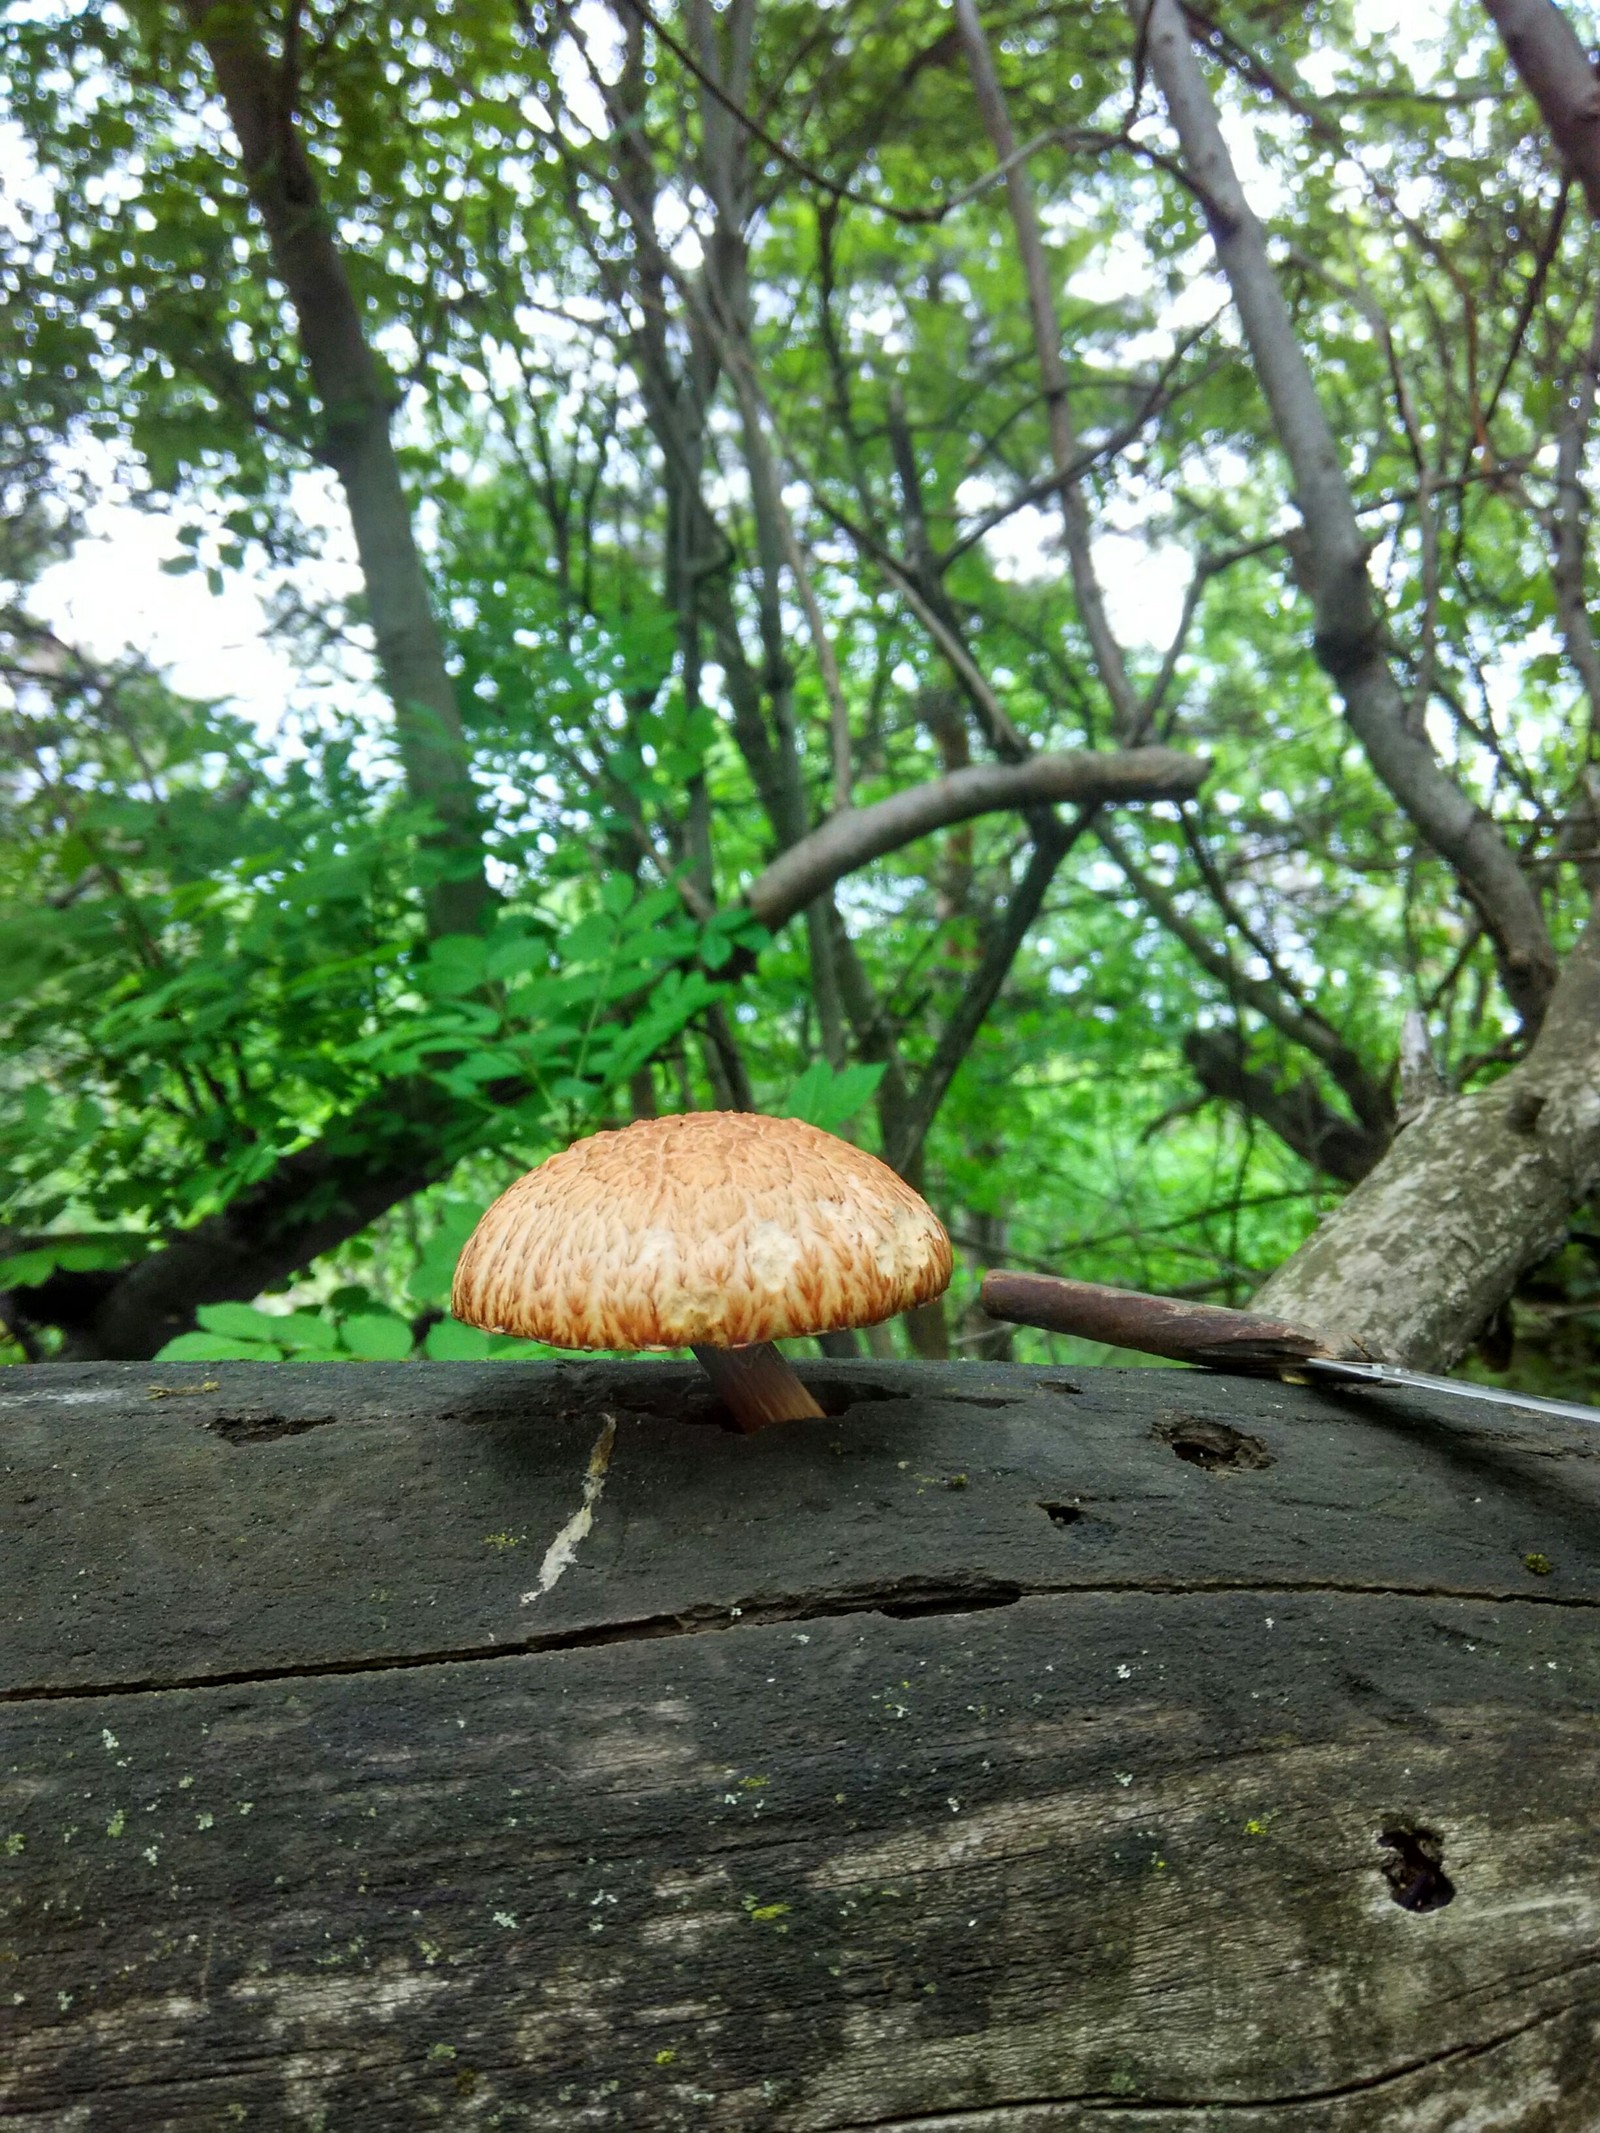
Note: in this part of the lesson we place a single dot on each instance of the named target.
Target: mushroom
(720, 1231)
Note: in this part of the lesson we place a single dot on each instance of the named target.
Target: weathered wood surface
(994, 1755)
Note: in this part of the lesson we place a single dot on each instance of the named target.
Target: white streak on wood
(32, 1398)
(558, 1556)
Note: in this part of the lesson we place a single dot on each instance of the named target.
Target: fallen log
(1014, 1749)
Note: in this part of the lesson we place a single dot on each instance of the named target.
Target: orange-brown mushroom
(720, 1231)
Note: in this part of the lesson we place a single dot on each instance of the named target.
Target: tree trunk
(1424, 1252)
(259, 93)
(1349, 621)
(1545, 51)
(1478, 1188)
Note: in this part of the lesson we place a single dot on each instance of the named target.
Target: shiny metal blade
(1417, 1380)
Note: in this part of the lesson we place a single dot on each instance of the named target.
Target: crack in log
(994, 2114)
(905, 1597)
(1213, 2106)
(264, 1428)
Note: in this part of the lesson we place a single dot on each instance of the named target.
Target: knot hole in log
(1415, 1868)
(1062, 1514)
(1216, 1446)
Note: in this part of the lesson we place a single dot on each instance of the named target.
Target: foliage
(825, 1098)
(349, 1328)
(214, 950)
(209, 953)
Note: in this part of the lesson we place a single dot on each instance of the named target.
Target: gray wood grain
(990, 1755)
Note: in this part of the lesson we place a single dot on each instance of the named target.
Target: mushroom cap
(714, 1229)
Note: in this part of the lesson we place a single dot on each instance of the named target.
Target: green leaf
(456, 964)
(493, 1064)
(592, 940)
(239, 1321)
(571, 1090)
(377, 1337)
(824, 1098)
(652, 909)
(508, 958)
(436, 1266)
(449, 1342)
(25, 1270)
(216, 1348)
(306, 1333)
(86, 1254)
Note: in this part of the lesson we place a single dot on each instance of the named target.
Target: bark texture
(386, 1747)
(1349, 620)
(1424, 1252)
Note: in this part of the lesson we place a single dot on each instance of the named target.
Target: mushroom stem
(757, 1385)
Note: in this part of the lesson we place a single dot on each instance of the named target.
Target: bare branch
(1155, 401)
(849, 840)
(1294, 1108)
(1126, 713)
(1300, 1025)
(1570, 532)
(844, 195)
(1349, 625)
(1054, 840)
(1423, 1253)
(1002, 736)
(1545, 51)
(827, 664)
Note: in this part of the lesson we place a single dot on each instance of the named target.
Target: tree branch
(1349, 624)
(1299, 1025)
(1126, 713)
(998, 729)
(1156, 399)
(1570, 531)
(1545, 51)
(1053, 840)
(1424, 1252)
(1295, 1109)
(849, 840)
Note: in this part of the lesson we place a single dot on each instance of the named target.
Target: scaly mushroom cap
(716, 1229)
